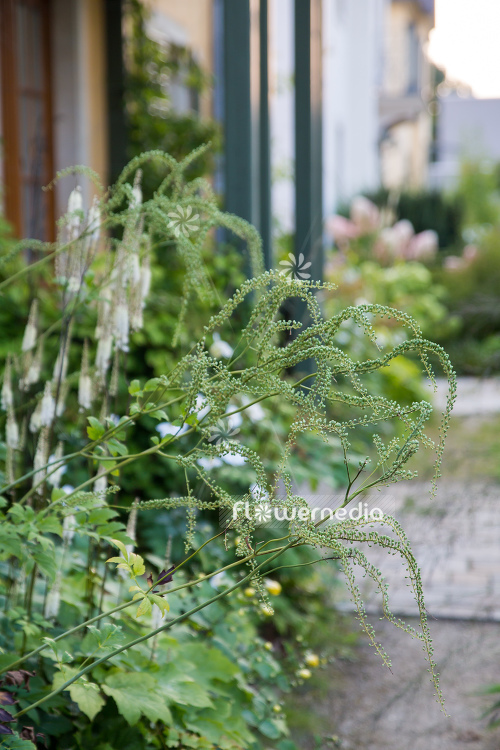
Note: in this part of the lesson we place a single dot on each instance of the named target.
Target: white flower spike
(30, 332)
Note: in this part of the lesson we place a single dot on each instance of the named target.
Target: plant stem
(146, 637)
(29, 602)
(124, 605)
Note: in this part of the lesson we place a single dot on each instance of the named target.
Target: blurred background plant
(435, 255)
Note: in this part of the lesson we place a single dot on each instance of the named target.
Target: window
(413, 59)
(26, 112)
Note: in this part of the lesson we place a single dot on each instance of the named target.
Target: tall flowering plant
(72, 419)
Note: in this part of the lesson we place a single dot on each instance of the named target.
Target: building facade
(405, 119)
(53, 105)
(61, 101)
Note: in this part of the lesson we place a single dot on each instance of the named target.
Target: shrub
(163, 658)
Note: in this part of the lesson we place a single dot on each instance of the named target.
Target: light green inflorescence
(273, 360)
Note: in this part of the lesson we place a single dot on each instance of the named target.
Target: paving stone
(459, 556)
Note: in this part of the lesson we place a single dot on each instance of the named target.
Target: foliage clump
(72, 414)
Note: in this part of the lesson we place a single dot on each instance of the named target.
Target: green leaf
(7, 659)
(46, 561)
(160, 602)
(108, 530)
(85, 694)
(96, 429)
(117, 448)
(183, 690)
(159, 414)
(121, 547)
(134, 387)
(138, 566)
(108, 637)
(152, 384)
(269, 729)
(49, 525)
(144, 608)
(101, 515)
(16, 743)
(56, 494)
(136, 694)
(211, 664)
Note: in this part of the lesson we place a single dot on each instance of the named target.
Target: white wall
(353, 42)
(353, 59)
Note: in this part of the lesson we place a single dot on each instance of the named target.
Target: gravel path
(370, 708)
(456, 540)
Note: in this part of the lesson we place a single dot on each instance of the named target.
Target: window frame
(13, 177)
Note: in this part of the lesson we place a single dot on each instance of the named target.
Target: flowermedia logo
(183, 221)
(264, 513)
(222, 432)
(295, 268)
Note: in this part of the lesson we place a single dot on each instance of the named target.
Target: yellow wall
(196, 18)
(405, 155)
(95, 78)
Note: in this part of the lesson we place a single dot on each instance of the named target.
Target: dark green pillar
(237, 110)
(265, 139)
(246, 114)
(308, 135)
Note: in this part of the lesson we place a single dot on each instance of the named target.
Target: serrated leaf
(152, 384)
(85, 694)
(101, 515)
(120, 546)
(182, 689)
(160, 602)
(101, 639)
(136, 588)
(137, 694)
(117, 448)
(139, 567)
(46, 561)
(96, 429)
(134, 408)
(49, 525)
(159, 414)
(144, 608)
(109, 530)
(134, 387)
(57, 493)
(115, 560)
(16, 743)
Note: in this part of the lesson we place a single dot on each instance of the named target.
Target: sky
(466, 43)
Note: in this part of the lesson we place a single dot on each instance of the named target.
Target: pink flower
(454, 263)
(423, 246)
(365, 215)
(470, 253)
(393, 242)
(341, 230)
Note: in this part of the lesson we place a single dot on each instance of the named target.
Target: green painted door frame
(247, 170)
(247, 180)
(308, 135)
